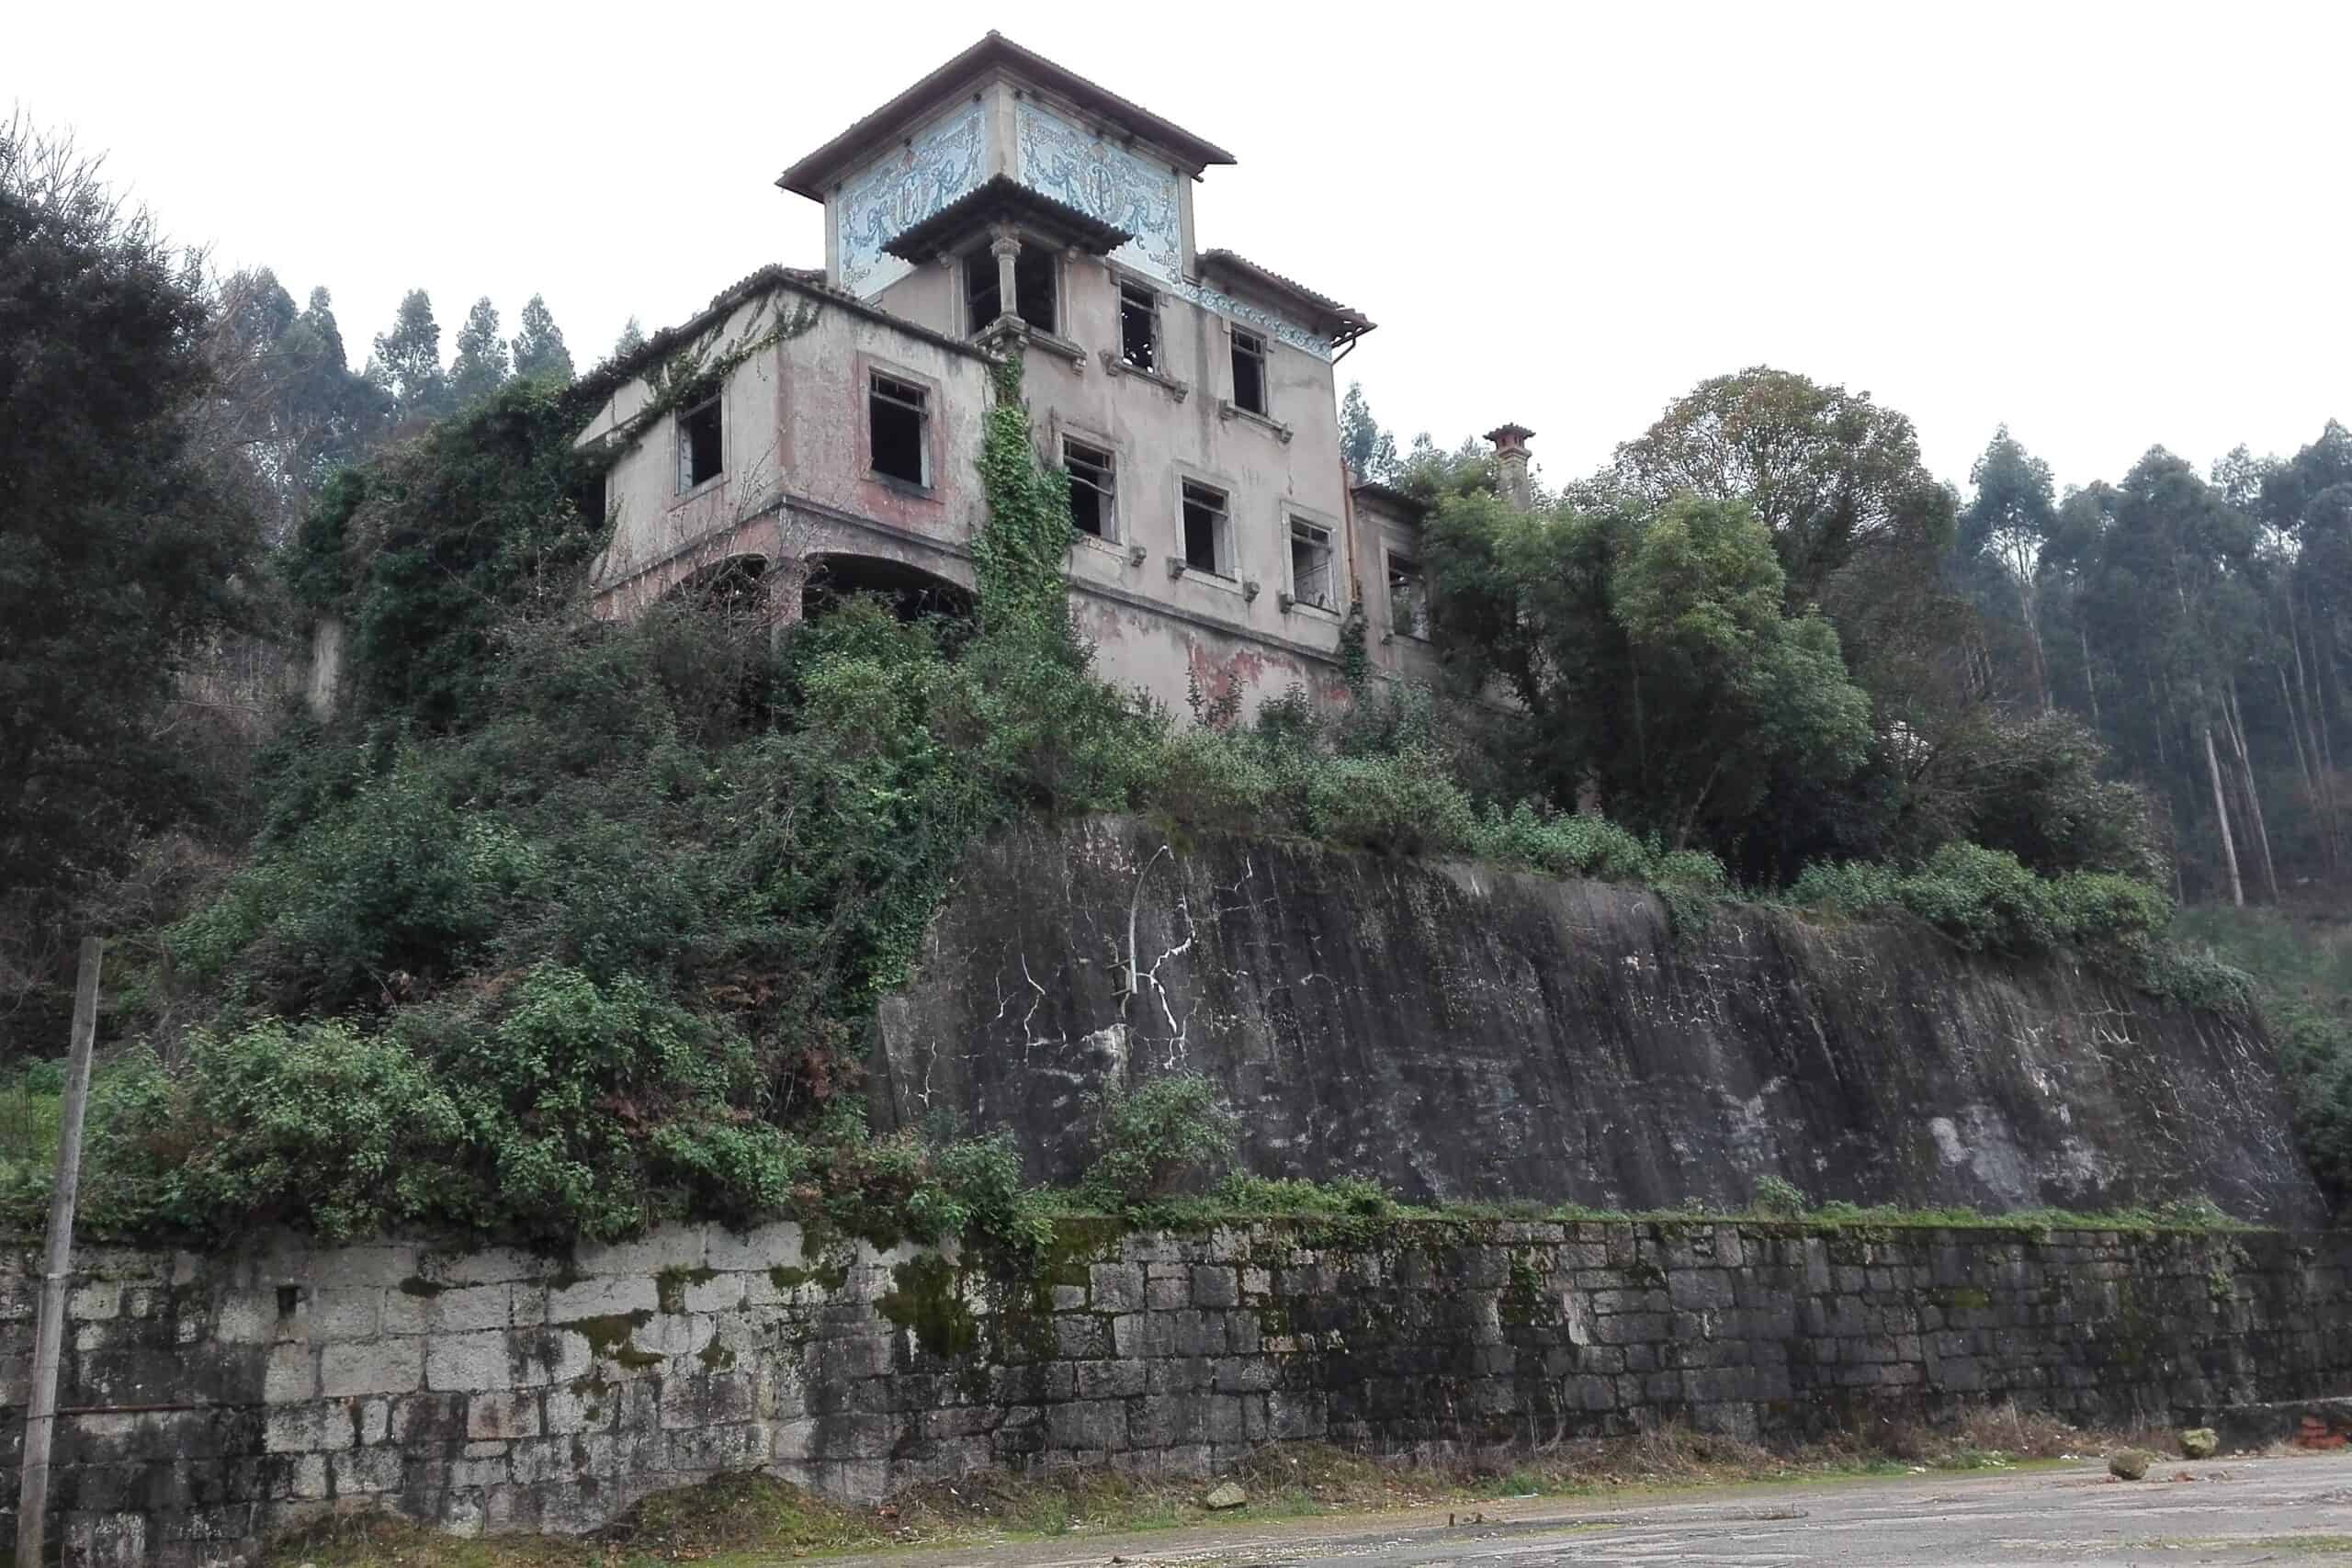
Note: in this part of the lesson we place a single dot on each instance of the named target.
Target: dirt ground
(2287, 1510)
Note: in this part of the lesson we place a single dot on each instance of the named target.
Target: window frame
(1329, 545)
(1156, 349)
(925, 392)
(1113, 534)
(983, 254)
(1221, 544)
(1389, 557)
(1054, 280)
(716, 405)
(1263, 355)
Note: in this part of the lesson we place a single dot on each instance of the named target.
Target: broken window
(1033, 291)
(895, 416)
(1138, 326)
(1408, 607)
(1248, 372)
(1310, 564)
(1093, 492)
(983, 301)
(1209, 542)
(698, 444)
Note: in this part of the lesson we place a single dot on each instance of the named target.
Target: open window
(895, 414)
(983, 299)
(1036, 288)
(1208, 530)
(1139, 326)
(1310, 565)
(698, 445)
(1248, 372)
(1408, 602)
(1093, 490)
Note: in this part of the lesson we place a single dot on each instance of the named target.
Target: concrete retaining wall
(217, 1398)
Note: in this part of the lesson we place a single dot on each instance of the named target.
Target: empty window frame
(1249, 371)
(896, 414)
(983, 299)
(1139, 326)
(1093, 490)
(1310, 565)
(1208, 530)
(1408, 604)
(1036, 288)
(698, 445)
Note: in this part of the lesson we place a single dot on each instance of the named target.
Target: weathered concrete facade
(1005, 207)
(1457, 1032)
(211, 1400)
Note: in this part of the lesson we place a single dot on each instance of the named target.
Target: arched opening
(734, 587)
(911, 593)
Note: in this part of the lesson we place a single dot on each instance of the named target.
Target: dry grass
(738, 1520)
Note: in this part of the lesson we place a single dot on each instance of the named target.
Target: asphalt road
(2238, 1511)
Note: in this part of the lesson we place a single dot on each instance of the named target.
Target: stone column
(1510, 452)
(1005, 247)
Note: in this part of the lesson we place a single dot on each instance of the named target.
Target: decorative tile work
(1105, 180)
(1249, 315)
(899, 190)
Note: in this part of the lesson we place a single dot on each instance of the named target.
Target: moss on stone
(828, 1278)
(669, 1285)
(929, 1298)
(609, 1335)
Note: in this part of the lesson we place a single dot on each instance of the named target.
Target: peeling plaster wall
(1457, 1031)
(213, 1400)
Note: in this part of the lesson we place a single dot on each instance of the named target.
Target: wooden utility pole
(48, 1336)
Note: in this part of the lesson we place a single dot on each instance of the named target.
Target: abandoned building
(815, 434)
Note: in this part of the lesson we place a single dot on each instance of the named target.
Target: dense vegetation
(467, 958)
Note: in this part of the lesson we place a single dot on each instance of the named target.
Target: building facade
(815, 434)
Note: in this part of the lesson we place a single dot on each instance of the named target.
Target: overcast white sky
(2108, 225)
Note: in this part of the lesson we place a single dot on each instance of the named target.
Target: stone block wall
(214, 1399)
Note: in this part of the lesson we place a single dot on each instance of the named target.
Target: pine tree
(632, 338)
(480, 365)
(407, 361)
(538, 347)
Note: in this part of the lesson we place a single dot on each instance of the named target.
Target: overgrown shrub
(1987, 900)
(1779, 1197)
(1153, 1138)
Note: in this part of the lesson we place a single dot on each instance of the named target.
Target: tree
(1656, 665)
(481, 366)
(2013, 514)
(538, 347)
(1726, 690)
(407, 361)
(632, 338)
(1370, 451)
(300, 410)
(130, 541)
(1828, 471)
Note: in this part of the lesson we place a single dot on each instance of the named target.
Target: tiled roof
(810, 176)
(1404, 501)
(1342, 322)
(1007, 198)
(590, 391)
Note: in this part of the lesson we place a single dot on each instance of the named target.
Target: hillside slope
(1457, 1031)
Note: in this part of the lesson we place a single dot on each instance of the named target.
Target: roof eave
(1326, 316)
(812, 174)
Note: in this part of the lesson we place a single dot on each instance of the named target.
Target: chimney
(1510, 452)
